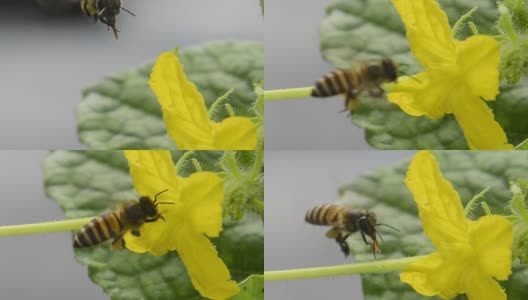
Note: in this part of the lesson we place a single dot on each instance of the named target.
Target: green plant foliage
(385, 193)
(358, 30)
(252, 288)
(87, 183)
(121, 112)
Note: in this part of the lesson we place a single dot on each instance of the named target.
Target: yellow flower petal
(480, 129)
(186, 116)
(202, 194)
(437, 200)
(152, 171)
(428, 31)
(435, 275)
(470, 254)
(479, 55)
(183, 106)
(492, 237)
(415, 274)
(484, 287)
(422, 95)
(456, 73)
(235, 133)
(194, 207)
(208, 273)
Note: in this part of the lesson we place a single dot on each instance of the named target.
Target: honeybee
(344, 222)
(104, 11)
(130, 216)
(368, 76)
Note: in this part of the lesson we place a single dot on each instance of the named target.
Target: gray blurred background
(46, 59)
(295, 182)
(36, 266)
(292, 59)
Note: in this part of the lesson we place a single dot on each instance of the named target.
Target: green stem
(232, 165)
(257, 166)
(486, 208)
(38, 228)
(284, 94)
(218, 101)
(472, 202)
(259, 205)
(229, 110)
(459, 22)
(181, 162)
(506, 23)
(197, 165)
(382, 266)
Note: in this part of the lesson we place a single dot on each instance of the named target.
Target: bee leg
(376, 91)
(364, 238)
(351, 102)
(135, 231)
(341, 240)
(118, 243)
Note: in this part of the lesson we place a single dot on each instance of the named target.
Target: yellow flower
(186, 116)
(195, 212)
(469, 255)
(458, 75)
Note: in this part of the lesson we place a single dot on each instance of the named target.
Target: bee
(130, 216)
(368, 76)
(104, 11)
(344, 222)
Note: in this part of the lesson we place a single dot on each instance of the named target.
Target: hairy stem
(284, 94)
(38, 228)
(382, 266)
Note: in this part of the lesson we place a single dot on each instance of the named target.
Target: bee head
(367, 225)
(390, 70)
(148, 207)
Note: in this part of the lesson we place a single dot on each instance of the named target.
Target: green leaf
(385, 193)
(251, 289)
(121, 112)
(87, 183)
(358, 30)
(262, 6)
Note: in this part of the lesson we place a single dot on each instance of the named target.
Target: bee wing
(332, 233)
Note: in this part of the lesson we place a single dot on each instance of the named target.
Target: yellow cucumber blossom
(193, 214)
(186, 118)
(458, 75)
(470, 255)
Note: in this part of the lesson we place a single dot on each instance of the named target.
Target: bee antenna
(128, 11)
(164, 203)
(156, 196)
(388, 226)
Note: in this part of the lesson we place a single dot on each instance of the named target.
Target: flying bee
(368, 76)
(344, 222)
(104, 11)
(129, 216)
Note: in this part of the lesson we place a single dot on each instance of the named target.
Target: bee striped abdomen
(327, 214)
(98, 230)
(335, 83)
